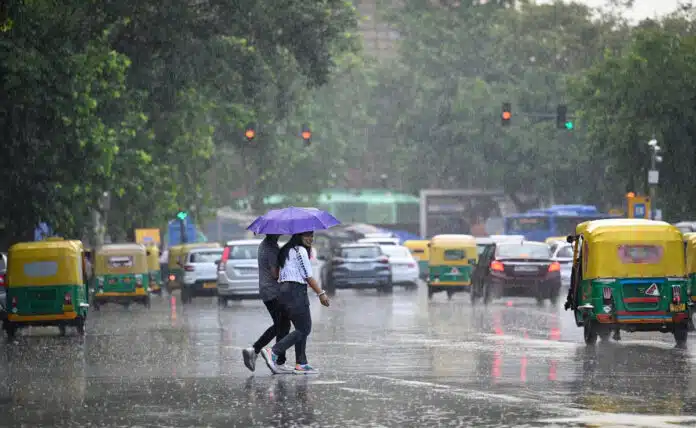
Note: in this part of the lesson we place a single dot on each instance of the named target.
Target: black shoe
(250, 356)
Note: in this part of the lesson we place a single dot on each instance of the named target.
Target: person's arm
(273, 264)
(307, 274)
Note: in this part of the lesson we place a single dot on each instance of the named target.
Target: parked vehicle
(563, 254)
(360, 266)
(420, 251)
(200, 273)
(404, 268)
(518, 269)
(3, 283)
(238, 271)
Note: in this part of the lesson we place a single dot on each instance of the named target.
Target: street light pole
(654, 176)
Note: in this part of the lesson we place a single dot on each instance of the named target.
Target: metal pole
(653, 187)
(184, 236)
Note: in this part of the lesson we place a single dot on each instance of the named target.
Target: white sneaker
(285, 369)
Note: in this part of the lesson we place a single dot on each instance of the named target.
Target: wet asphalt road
(386, 361)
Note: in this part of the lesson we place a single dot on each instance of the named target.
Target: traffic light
(181, 215)
(250, 132)
(306, 135)
(506, 114)
(562, 121)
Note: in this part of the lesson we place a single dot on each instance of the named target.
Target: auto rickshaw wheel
(96, 305)
(63, 330)
(474, 295)
(430, 293)
(80, 326)
(604, 334)
(147, 302)
(222, 301)
(590, 331)
(10, 330)
(388, 288)
(681, 333)
(450, 294)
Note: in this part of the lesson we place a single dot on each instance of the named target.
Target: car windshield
(244, 252)
(565, 252)
(206, 257)
(360, 253)
(523, 251)
(395, 251)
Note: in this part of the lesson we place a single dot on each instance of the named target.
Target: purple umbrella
(291, 220)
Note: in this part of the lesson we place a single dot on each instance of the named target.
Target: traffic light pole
(184, 235)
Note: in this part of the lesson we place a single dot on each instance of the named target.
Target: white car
(563, 254)
(238, 271)
(379, 241)
(404, 268)
(200, 273)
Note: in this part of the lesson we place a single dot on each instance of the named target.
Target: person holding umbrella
(294, 277)
(269, 291)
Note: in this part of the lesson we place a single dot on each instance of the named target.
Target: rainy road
(387, 361)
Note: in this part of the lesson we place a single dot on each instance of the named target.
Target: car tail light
(2, 280)
(676, 293)
(222, 266)
(14, 301)
(383, 260)
(139, 281)
(189, 268)
(497, 266)
(554, 267)
(337, 261)
(606, 295)
(172, 277)
(67, 299)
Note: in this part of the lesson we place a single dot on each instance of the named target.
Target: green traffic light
(181, 215)
(569, 125)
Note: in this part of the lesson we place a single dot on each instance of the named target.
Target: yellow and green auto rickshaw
(46, 286)
(153, 266)
(629, 274)
(121, 275)
(419, 250)
(690, 248)
(451, 261)
(177, 254)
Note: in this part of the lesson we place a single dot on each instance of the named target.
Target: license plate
(677, 308)
(44, 295)
(68, 308)
(210, 285)
(360, 266)
(525, 269)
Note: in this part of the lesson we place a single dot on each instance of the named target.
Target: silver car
(238, 271)
(563, 254)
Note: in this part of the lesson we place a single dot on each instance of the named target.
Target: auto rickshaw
(46, 286)
(419, 250)
(690, 248)
(153, 266)
(175, 264)
(628, 274)
(121, 275)
(451, 261)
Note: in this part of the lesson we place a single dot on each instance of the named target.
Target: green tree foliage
(643, 92)
(141, 100)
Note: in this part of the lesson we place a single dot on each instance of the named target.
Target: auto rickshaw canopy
(121, 259)
(45, 263)
(630, 248)
(690, 247)
(153, 256)
(418, 248)
(440, 244)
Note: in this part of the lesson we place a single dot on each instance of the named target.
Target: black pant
(293, 296)
(279, 329)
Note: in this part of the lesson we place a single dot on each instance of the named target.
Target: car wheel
(681, 334)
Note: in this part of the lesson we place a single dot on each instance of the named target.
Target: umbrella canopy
(292, 220)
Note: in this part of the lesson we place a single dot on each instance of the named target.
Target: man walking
(269, 291)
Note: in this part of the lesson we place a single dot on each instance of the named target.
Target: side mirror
(570, 239)
(149, 253)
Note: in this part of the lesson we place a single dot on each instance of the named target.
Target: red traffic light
(250, 134)
(306, 135)
(506, 115)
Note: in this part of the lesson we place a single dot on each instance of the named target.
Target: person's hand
(324, 299)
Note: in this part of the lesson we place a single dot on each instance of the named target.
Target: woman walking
(295, 275)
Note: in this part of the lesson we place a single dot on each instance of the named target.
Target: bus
(559, 220)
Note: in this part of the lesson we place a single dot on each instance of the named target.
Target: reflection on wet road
(392, 361)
